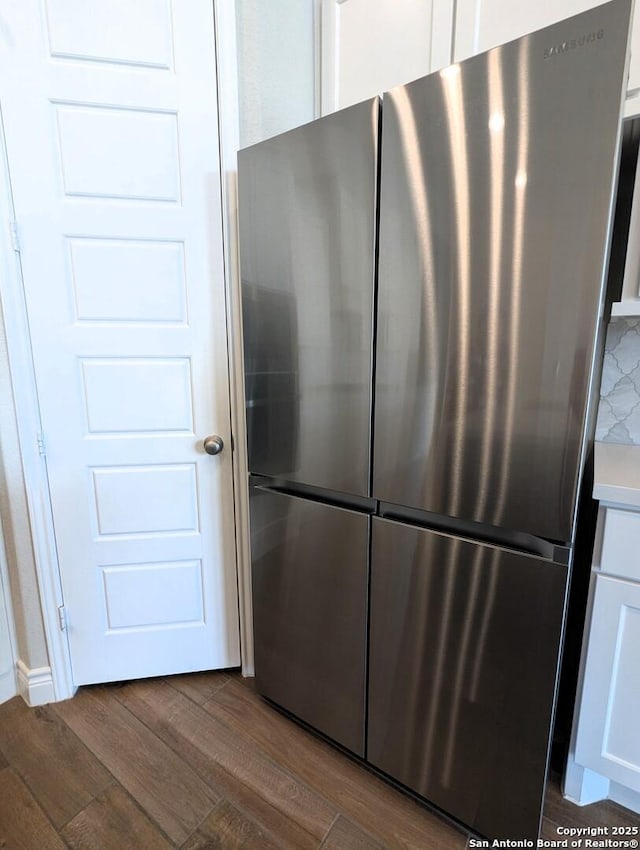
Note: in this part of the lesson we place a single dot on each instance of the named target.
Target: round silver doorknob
(213, 445)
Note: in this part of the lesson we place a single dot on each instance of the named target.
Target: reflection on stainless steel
(495, 283)
(485, 620)
(307, 203)
(309, 564)
(457, 141)
(467, 742)
(517, 186)
(271, 377)
(471, 641)
(515, 307)
(424, 225)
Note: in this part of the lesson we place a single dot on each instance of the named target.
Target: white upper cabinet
(482, 24)
(370, 46)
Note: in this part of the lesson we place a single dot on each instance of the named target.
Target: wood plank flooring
(201, 762)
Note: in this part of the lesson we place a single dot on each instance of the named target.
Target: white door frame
(228, 123)
(29, 429)
(26, 398)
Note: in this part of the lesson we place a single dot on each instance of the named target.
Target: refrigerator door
(464, 645)
(495, 199)
(310, 573)
(307, 207)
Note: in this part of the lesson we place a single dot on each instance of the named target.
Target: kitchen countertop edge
(616, 476)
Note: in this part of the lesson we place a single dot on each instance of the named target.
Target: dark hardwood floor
(201, 762)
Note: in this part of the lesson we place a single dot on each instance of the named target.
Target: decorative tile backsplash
(619, 411)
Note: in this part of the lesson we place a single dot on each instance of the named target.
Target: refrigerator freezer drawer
(464, 645)
(309, 569)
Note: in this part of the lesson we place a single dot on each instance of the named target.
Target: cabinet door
(608, 738)
(370, 46)
(309, 569)
(482, 24)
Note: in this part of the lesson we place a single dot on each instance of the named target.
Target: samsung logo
(573, 44)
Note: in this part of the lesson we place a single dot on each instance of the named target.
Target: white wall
(7, 661)
(32, 646)
(276, 42)
(22, 584)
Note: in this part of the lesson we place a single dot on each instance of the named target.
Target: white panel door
(111, 129)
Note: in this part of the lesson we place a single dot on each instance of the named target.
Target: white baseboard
(625, 796)
(35, 685)
(583, 786)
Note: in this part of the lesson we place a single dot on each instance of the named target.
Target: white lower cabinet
(608, 734)
(604, 760)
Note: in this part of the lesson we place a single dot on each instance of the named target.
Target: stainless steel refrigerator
(423, 288)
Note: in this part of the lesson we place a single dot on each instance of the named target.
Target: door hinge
(62, 618)
(41, 446)
(15, 235)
